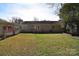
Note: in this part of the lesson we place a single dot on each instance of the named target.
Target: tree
(69, 13)
(17, 24)
(36, 19)
(55, 7)
(17, 20)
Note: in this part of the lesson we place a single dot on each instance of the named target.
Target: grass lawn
(40, 44)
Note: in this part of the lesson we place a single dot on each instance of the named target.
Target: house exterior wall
(41, 27)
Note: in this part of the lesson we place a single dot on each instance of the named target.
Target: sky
(28, 12)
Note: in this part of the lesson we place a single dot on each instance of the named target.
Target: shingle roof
(35, 22)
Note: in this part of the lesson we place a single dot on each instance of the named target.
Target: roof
(5, 24)
(36, 22)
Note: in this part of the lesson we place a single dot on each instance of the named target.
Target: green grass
(40, 44)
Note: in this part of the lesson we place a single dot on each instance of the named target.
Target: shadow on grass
(7, 37)
(38, 33)
(42, 32)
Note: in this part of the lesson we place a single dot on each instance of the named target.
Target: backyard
(40, 45)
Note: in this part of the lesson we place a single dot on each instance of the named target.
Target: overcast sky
(28, 11)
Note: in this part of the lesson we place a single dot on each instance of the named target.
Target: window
(37, 27)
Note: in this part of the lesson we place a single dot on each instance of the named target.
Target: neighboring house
(41, 26)
(7, 29)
